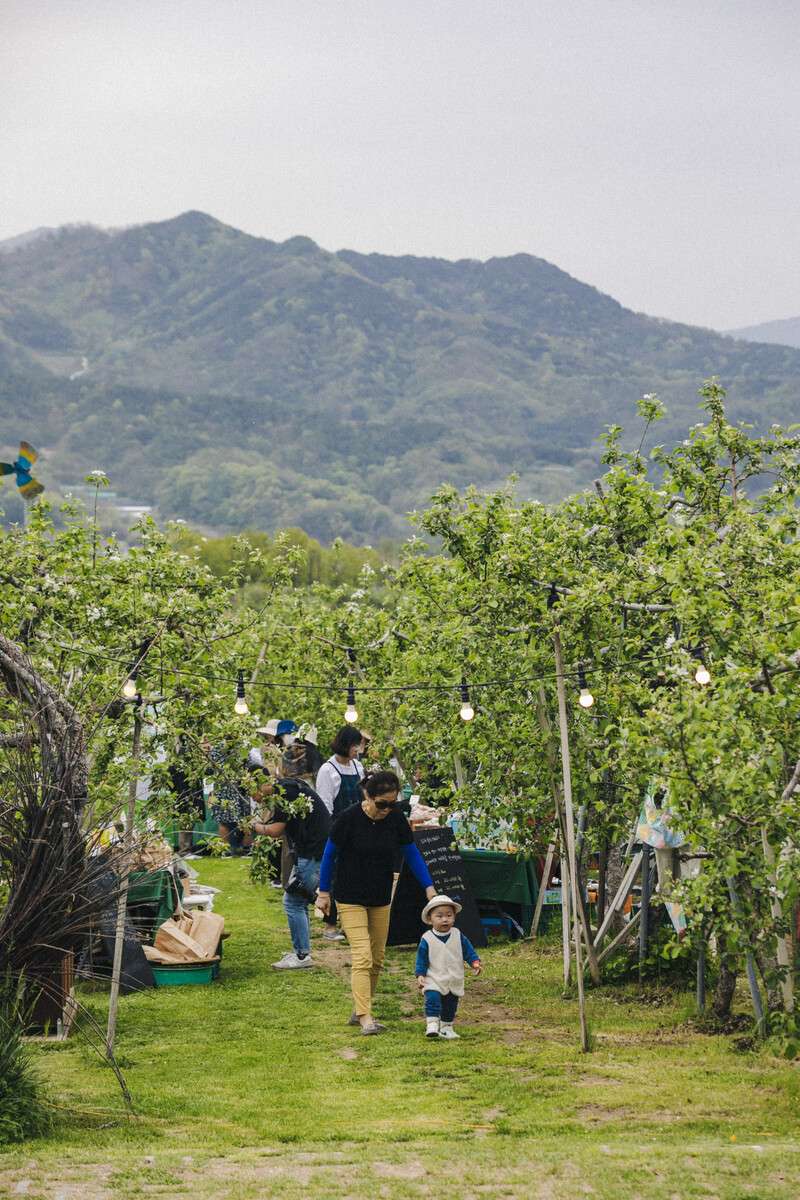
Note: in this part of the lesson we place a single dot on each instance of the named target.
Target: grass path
(256, 1087)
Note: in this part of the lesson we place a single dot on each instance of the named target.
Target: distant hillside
(781, 333)
(236, 382)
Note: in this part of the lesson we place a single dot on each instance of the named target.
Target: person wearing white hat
(439, 968)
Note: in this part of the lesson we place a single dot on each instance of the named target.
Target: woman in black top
(362, 845)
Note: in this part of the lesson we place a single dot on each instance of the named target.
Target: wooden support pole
(548, 866)
(569, 821)
(701, 976)
(122, 909)
(644, 909)
(602, 875)
(624, 890)
(627, 932)
(552, 754)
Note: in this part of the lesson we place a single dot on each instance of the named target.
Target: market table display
(504, 879)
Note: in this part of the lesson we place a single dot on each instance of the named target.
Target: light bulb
(240, 706)
(586, 699)
(129, 688)
(702, 675)
(467, 711)
(350, 714)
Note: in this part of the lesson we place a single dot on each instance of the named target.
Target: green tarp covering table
(156, 890)
(503, 879)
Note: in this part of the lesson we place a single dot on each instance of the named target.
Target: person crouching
(439, 968)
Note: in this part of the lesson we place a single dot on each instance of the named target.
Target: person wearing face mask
(361, 846)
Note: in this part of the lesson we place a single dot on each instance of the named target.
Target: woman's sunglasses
(384, 804)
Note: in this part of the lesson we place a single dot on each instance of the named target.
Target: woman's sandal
(353, 1018)
(373, 1027)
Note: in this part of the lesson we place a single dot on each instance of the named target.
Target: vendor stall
(507, 880)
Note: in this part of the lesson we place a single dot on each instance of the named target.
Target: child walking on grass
(439, 968)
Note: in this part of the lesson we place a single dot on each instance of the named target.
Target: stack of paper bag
(187, 939)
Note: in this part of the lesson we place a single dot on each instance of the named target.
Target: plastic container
(179, 974)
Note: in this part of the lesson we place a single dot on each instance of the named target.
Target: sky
(648, 147)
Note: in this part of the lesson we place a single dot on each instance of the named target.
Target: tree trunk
(726, 986)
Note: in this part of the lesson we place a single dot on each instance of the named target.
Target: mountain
(782, 333)
(236, 381)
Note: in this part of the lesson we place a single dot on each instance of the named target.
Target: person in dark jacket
(300, 814)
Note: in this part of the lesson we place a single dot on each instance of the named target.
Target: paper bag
(206, 929)
(172, 939)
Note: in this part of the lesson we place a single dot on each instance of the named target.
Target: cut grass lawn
(255, 1086)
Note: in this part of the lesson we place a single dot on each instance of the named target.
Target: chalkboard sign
(439, 849)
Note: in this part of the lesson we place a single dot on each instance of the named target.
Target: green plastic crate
(182, 973)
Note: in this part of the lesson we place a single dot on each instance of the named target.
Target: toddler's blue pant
(442, 1006)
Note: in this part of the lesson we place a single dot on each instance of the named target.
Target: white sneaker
(432, 1027)
(448, 1033)
(292, 962)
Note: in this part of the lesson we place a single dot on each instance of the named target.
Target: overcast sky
(648, 147)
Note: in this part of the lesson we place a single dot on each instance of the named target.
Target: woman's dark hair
(379, 782)
(347, 737)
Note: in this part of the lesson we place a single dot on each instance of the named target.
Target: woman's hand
(430, 892)
(324, 902)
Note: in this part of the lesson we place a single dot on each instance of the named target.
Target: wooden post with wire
(122, 902)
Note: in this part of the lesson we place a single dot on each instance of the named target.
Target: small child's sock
(432, 1027)
(446, 1031)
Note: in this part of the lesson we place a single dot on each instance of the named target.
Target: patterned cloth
(230, 805)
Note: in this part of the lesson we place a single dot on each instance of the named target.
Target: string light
(240, 706)
(130, 686)
(350, 713)
(467, 711)
(586, 699)
(702, 675)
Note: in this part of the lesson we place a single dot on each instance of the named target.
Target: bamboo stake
(570, 829)
(122, 902)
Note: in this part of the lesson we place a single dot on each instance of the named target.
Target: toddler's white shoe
(432, 1027)
(448, 1033)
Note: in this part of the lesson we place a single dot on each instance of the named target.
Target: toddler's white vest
(445, 963)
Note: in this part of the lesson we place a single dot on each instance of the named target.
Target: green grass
(259, 1081)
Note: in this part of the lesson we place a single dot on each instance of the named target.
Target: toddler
(439, 968)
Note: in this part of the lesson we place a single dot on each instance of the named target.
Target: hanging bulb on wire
(240, 706)
(467, 711)
(351, 713)
(130, 687)
(702, 675)
(586, 699)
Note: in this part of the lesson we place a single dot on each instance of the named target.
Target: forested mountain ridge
(236, 381)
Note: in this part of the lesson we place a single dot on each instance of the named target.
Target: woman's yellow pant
(367, 930)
